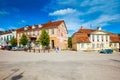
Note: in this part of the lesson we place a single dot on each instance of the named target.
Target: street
(66, 65)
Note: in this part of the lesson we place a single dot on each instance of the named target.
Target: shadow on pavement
(17, 77)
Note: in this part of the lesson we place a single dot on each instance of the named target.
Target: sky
(76, 13)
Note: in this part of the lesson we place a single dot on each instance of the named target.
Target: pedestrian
(57, 49)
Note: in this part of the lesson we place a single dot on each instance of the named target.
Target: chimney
(82, 27)
(99, 28)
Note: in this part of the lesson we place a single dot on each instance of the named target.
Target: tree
(13, 41)
(23, 39)
(69, 42)
(44, 38)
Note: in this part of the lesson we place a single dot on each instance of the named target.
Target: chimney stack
(82, 27)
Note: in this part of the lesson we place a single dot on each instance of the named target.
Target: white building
(88, 39)
(6, 36)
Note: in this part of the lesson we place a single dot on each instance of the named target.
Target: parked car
(106, 51)
(17, 48)
(3, 47)
(8, 47)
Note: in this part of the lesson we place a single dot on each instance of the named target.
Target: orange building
(57, 31)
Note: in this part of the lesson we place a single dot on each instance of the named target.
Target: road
(66, 65)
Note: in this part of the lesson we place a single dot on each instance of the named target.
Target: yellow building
(88, 39)
(57, 31)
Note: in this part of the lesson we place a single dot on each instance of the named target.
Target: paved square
(67, 65)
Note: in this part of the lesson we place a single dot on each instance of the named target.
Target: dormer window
(40, 26)
(33, 27)
(25, 28)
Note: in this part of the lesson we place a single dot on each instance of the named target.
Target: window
(102, 37)
(82, 45)
(38, 33)
(52, 31)
(102, 45)
(98, 45)
(106, 37)
(115, 44)
(93, 37)
(97, 37)
(93, 45)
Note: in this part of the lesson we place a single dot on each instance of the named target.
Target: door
(52, 42)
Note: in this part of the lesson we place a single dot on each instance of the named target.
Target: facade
(88, 39)
(57, 31)
(6, 36)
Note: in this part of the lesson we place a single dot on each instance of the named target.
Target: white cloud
(67, 2)
(102, 21)
(3, 12)
(110, 7)
(11, 27)
(22, 22)
(76, 17)
(63, 12)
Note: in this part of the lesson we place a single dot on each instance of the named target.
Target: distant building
(6, 36)
(89, 39)
(57, 31)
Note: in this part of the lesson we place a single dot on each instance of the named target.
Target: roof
(114, 38)
(87, 31)
(82, 35)
(46, 25)
(52, 24)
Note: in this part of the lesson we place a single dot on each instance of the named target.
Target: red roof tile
(52, 24)
(46, 25)
(114, 38)
(82, 35)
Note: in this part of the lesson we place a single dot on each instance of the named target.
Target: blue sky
(75, 13)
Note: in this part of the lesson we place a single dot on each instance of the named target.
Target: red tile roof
(52, 24)
(87, 31)
(82, 35)
(114, 38)
(46, 25)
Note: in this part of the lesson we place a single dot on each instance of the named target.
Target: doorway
(52, 42)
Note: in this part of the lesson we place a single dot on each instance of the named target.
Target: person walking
(57, 49)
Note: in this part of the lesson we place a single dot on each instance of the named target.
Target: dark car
(108, 51)
(8, 47)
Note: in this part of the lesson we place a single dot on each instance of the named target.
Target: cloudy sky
(75, 13)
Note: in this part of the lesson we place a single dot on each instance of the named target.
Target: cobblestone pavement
(67, 65)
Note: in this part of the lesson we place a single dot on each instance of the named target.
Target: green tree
(69, 42)
(23, 40)
(44, 38)
(13, 41)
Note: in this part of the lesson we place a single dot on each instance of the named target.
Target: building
(6, 36)
(88, 39)
(57, 31)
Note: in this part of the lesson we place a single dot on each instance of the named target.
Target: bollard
(29, 50)
(39, 50)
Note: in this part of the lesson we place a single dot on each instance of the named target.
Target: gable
(99, 32)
